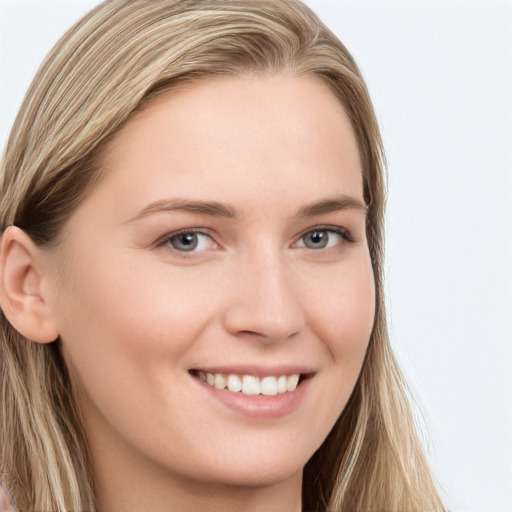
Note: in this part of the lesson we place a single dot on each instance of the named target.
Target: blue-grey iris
(185, 241)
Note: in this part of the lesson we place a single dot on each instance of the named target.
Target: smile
(250, 384)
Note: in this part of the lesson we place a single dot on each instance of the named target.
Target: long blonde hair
(113, 62)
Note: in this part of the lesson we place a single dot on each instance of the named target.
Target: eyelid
(165, 239)
(339, 230)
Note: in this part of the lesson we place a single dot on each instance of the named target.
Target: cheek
(344, 322)
(344, 311)
(122, 326)
(133, 305)
(341, 315)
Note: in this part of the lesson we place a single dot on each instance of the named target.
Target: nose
(263, 302)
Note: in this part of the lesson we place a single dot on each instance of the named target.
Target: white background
(440, 74)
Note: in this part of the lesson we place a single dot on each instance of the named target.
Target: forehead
(235, 138)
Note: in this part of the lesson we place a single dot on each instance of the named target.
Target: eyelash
(166, 239)
(344, 233)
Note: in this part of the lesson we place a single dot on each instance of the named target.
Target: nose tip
(265, 307)
(261, 321)
(266, 329)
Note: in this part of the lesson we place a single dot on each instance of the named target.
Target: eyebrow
(217, 209)
(211, 208)
(332, 205)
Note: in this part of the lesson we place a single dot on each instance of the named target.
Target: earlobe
(21, 293)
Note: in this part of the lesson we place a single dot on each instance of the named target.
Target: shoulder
(7, 503)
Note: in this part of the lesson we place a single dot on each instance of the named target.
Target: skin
(135, 314)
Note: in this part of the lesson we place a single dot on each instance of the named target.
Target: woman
(192, 304)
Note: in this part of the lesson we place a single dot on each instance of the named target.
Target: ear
(22, 273)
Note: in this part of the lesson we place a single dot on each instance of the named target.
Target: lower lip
(259, 406)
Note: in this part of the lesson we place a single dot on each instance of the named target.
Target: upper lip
(255, 370)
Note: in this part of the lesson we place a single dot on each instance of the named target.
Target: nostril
(250, 333)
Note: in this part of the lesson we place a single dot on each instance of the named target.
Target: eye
(188, 241)
(323, 238)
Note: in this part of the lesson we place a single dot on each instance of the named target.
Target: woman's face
(226, 241)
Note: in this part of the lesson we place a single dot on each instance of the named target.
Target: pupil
(317, 239)
(185, 242)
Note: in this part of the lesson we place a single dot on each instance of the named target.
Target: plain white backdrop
(440, 74)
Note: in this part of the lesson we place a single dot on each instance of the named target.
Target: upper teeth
(251, 385)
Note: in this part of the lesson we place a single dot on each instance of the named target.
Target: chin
(257, 477)
(256, 471)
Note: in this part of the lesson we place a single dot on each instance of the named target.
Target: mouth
(252, 385)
